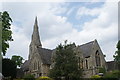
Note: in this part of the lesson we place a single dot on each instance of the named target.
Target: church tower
(35, 42)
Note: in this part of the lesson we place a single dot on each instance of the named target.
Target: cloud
(70, 11)
(104, 28)
(20, 44)
(83, 11)
(50, 25)
(58, 0)
(55, 28)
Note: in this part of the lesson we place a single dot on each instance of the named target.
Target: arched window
(34, 66)
(86, 64)
(79, 63)
(97, 57)
(38, 65)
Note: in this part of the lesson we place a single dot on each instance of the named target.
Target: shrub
(29, 77)
(18, 79)
(95, 76)
(44, 78)
(102, 70)
(113, 74)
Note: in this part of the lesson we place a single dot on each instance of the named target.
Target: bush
(96, 76)
(29, 77)
(113, 74)
(44, 78)
(18, 79)
(102, 70)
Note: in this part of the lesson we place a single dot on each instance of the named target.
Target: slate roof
(86, 49)
(45, 55)
(25, 66)
(111, 65)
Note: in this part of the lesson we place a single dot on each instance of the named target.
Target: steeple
(35, 35)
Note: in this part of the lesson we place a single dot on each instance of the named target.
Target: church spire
(35, 35)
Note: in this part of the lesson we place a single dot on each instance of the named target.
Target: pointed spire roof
(35, 36)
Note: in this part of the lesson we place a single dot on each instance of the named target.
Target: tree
(6, 35)
(17, 59)
(66, 63)
(117, 55)
(8, 68)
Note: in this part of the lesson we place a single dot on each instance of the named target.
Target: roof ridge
(86, 43)
(46, 49)
(110, 61)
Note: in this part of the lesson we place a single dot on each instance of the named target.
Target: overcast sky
(78, 22)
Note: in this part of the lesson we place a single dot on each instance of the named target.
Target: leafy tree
(8, 68)
(18, 60)
(117, 55)
(5, 23)
(66, 63)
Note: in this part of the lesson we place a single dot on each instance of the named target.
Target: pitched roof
(86, 49)
(25, 65)
(45, 55)
(111, 65)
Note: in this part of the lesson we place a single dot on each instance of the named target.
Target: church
(41, 60)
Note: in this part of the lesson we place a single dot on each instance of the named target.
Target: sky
(78, 22)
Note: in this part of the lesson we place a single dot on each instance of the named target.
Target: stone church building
(41, 60)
